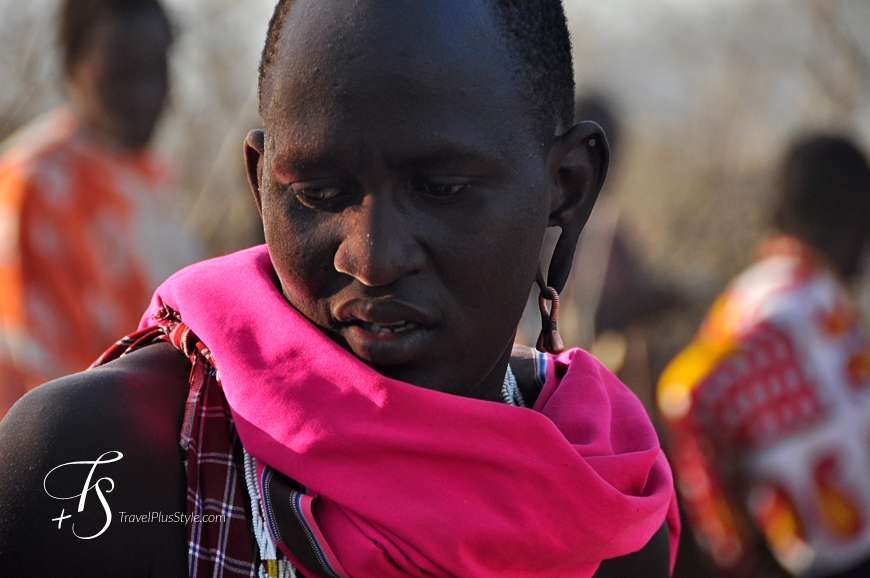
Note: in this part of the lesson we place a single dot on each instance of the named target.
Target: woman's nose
(380, 243)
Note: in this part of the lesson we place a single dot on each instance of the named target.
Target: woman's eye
(316, 195)
(441, 190)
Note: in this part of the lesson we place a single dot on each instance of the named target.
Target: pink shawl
(408, 481)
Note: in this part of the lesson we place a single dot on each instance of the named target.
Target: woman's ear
(254, 147)
(578, 163)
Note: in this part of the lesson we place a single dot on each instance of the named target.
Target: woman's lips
(391, 344)
(383, 328)
(384, 312)
(385, 331)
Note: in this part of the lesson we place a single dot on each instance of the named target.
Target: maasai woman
(345, 396)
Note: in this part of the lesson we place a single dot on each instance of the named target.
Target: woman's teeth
(397, 327)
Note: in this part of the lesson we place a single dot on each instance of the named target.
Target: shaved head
(534, 34)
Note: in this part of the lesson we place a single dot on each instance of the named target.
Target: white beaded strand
(268, 549)
(510, 391)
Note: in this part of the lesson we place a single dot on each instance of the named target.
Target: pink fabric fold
(411, 481)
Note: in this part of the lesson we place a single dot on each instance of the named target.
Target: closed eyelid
(322, 187)
(328, 196)
(448, 181)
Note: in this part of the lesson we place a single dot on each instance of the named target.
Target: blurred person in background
(769, 406)
(86, 226)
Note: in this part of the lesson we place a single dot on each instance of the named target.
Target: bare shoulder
(79, 455)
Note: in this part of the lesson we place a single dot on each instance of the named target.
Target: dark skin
(133, 406)
(118, 84)
(395, 199)
(395, 190)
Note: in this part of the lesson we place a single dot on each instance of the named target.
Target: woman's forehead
(362, 64)
(400, 29)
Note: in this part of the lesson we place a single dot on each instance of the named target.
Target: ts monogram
(106, 487)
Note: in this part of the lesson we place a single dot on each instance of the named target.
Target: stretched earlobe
(579, 161)
(254, 150)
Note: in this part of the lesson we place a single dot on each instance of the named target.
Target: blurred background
(708, 94)
(211, 107)
(705, 95)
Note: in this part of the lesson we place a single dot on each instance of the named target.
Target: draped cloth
(400, 480)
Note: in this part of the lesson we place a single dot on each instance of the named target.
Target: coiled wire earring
(549, 340)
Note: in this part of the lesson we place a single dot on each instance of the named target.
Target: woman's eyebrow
(444, 157)
(301, 160)
(451, 156)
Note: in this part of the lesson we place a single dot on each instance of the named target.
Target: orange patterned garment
(84, 239)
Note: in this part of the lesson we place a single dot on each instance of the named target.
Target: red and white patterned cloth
(769, 416)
